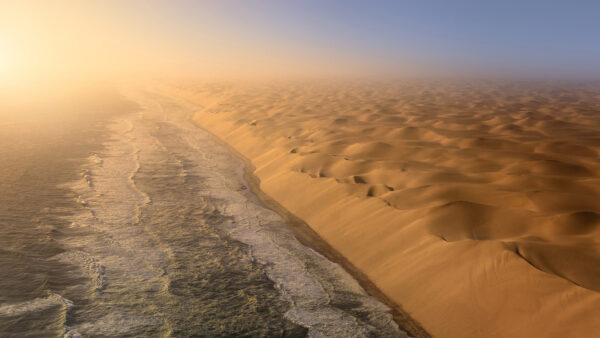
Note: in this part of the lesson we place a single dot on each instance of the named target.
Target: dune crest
(475, 207)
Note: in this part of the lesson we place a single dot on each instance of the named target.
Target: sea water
(135, 222)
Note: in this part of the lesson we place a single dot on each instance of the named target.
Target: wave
(35, 305)
(89, 264)
(117, 323)
(39, 305)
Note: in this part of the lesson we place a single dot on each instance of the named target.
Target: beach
(299, 169)
(473, 206)
(145, 226)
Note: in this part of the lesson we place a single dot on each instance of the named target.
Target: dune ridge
(476, 206)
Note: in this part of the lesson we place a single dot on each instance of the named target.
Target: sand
(474, 206)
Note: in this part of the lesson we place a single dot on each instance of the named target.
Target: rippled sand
(475, 206)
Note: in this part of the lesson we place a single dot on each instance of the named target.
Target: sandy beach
(300, 168)
(473, 206)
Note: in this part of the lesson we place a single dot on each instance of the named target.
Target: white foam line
(89, 263)
(35, 305)
(273, 244)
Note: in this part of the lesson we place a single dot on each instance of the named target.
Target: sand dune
(474, 206)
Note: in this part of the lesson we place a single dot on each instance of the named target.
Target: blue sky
(521, 37)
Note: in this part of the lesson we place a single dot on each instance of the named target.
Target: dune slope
(476, 206)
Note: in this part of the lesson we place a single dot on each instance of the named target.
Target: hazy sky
(413, 36)
(72, 39)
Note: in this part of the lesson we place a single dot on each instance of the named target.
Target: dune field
(475, 206)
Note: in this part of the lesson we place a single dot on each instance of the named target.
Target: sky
(49, 41)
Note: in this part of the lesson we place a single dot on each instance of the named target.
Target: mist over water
(119, 217)
(133, 222)
(36, 157)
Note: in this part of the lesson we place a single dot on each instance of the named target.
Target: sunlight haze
(300, 168)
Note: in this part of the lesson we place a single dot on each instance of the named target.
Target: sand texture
(475, 206)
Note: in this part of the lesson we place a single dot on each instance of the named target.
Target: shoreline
(407, 200)
(308, 237)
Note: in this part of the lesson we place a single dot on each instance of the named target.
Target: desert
(473, 205)
(352, 169)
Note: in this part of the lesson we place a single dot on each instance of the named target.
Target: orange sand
(474, 206)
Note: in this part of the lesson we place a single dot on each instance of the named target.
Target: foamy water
(168, 241)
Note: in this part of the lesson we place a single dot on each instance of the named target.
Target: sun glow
(7, 60)
(13, 60)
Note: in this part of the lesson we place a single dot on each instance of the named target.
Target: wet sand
(472, 205)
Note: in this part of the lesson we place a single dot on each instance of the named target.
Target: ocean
(120, 217)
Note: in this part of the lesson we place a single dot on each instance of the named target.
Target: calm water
(127, 220)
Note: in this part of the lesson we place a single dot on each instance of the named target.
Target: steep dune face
(475, 206)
